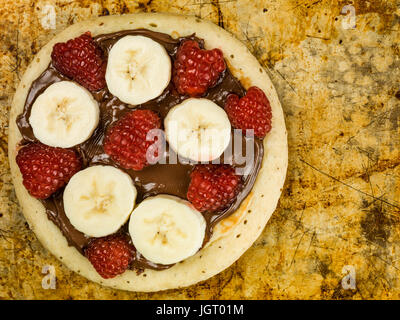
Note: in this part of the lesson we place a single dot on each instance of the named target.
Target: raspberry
(110, 255)
(126, 142)
(46, 169)
(195, 69)
(213, 187)
(82, 60)
(253, 111)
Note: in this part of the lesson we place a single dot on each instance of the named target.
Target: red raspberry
(46, 169)
(213, 187)
(82, 60)
(126, 141)
(195, 69)
(253, 111)
(110, 255)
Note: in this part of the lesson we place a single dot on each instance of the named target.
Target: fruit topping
(99, 200)
(81, 60)
(110, 255)
(198, 129)
(166, 229)
(126, 141)
(213, 187)
(46, 169)
(138, 69)
(64, 115)
(195, 69)
(251, 112)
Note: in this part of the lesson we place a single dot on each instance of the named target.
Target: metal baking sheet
(336, 231)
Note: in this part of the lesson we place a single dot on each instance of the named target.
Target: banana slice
(64, 115)
(138, 69)
(98, 200)
(166, 229)
(198, 129)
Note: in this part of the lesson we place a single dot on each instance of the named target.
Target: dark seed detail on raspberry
(81, 60)
(253, 111)
(46, 169)
(126, 142)
(110, 255)
(195, 69)
(213, 187)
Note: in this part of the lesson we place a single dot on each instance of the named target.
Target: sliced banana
(138, 69)
(166, 229)
(98, 200)
(64, 115)
(198, 129)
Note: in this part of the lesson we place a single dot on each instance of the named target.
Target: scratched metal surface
(339, 87)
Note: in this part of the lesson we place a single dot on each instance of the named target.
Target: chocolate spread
(155, 179)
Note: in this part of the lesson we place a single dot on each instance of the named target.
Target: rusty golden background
(340, 90)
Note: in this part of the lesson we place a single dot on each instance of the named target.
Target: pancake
(233, 235)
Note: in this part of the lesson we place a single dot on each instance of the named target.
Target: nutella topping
(155, 179)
